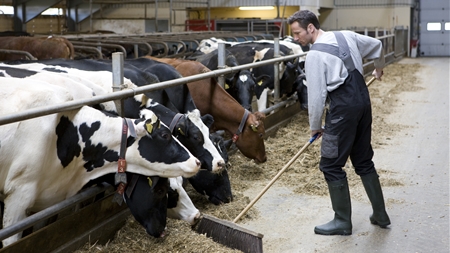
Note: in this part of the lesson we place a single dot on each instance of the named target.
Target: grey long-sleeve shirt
(326, 72)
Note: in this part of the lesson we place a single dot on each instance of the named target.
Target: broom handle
(275, 178)
(370, 81)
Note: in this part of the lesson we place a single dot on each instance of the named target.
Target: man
(334, 70)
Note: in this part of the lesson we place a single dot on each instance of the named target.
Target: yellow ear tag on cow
(150, 182)
(153, 120)
(181, 131)
(149, 127)
(254, 128)
(260, 82)
(227, 86)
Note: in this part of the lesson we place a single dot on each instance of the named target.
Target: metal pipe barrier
(10, 51)
(89, 49)
(46, 110)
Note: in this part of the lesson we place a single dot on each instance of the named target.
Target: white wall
(345, 18)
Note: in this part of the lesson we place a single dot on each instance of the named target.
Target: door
(434, 37)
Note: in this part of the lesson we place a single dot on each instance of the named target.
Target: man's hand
(320, 132)
(378, 73)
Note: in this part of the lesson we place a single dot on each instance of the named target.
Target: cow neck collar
(121, 176)
(175, 121)
(241, 125)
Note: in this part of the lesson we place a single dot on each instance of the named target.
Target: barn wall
(6, 23)
(226, 13)
(371, 17)
(132, 19)
(46, 25)
(136, 18)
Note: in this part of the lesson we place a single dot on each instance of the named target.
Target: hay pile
(303, 175)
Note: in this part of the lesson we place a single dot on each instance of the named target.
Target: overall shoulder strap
(342, 51)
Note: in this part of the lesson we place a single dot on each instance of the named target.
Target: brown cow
(40, 47)
(211, 98)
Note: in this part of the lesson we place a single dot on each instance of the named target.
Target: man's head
(305, 26)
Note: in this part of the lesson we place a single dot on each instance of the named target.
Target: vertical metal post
(276, 68)
(90, 17)
(170, 16)
(209, 17)
(117, 72)
(136, 50)
(221, 63)
(156, 16)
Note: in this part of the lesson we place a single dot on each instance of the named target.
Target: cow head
(148, 203)
(289, 77)
(179, 205)
(216, 186)
(302, 90)
(242, 88)
(251, 141)
(160, 151)
(221, 144)
(192, 131)
(262, 82)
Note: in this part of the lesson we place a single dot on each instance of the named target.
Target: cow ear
(254, 127)
(208, 120)
(152, 123)
(262, 80)
(172, 198)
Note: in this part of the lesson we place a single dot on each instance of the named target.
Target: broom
(232, 235)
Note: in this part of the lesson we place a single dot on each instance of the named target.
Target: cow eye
(166, 135)
(198, 137)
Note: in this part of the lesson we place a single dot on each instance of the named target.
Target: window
(433, 26)
(447, 26)
(9, 10)
(6, 10)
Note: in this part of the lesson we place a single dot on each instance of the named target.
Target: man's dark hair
(304, 18)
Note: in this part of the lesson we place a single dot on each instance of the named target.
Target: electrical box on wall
(152, 26)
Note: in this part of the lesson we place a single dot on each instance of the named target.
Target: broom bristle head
(230, 234)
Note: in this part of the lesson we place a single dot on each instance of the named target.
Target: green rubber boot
(373, 189)
(340, 200)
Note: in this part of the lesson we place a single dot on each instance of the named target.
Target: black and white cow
(97, 72)
(254, 51)
(189, 129)
(59, 153)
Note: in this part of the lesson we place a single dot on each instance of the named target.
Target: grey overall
(348, 121)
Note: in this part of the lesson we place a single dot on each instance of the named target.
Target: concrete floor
(419, 210)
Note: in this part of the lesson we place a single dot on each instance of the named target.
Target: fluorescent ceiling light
(256, 8)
